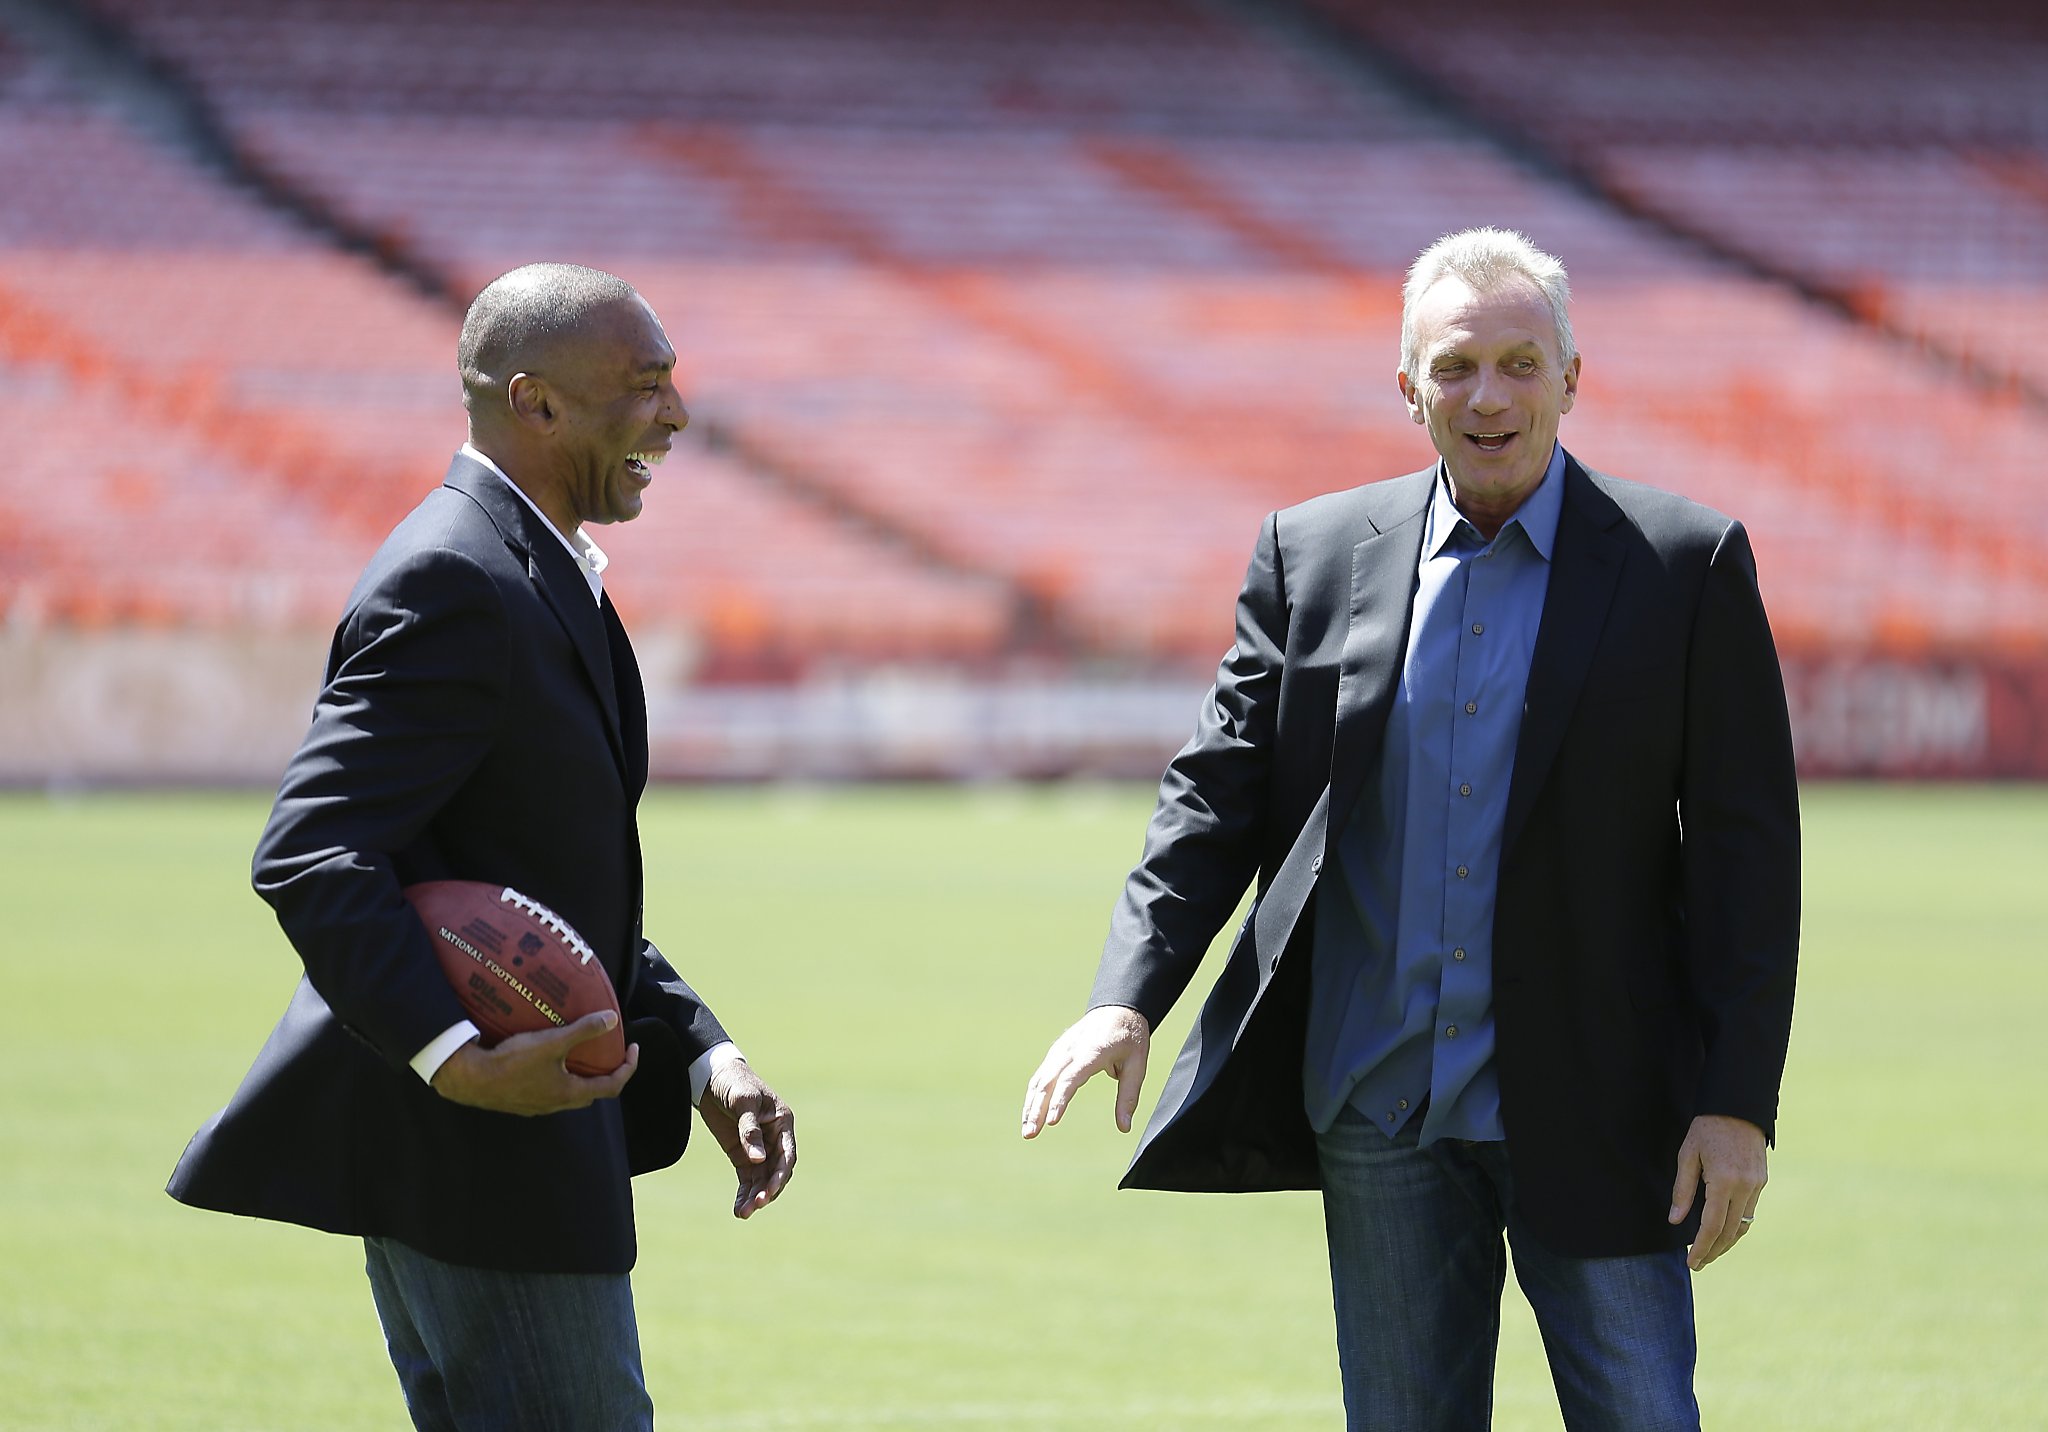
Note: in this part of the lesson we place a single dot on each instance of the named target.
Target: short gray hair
(521, 317)
(1486, 259)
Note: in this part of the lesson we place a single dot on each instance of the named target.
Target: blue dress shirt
(1402, 1005)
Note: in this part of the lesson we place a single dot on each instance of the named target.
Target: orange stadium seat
(1045, 306)
(244, 409)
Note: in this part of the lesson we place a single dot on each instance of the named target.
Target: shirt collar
(590, 558)
(1537, 516)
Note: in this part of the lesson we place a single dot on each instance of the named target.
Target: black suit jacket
(482, 719)
(1647, 918)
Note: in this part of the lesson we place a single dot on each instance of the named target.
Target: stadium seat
(1016, 320)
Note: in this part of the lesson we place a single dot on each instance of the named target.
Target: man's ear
(1412, 398)
(528, 398)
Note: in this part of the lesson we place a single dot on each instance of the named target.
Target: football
(517, 966)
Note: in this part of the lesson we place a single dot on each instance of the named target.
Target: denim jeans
(479, 1350)
(1417, 1264)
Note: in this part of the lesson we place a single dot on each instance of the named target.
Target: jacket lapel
(632, 699)
(1586, 564)
(1383, 569)
(554, 574)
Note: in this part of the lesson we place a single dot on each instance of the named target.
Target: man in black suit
(482, 718)
(1505, 744)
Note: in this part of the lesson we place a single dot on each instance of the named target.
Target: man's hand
(756, 1130)
(1729, 1154)
(524, 1074)
(1111, 1036)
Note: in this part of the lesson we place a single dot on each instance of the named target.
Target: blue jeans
(479, 1350)
(1417, 1264)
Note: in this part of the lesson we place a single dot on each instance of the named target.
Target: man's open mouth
(1489, 442)
(643, 464)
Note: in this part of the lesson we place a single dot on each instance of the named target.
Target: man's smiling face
(619, 413)
(1491, 387)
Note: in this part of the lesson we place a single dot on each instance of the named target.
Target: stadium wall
(148, 707)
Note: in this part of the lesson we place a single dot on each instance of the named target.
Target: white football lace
(548, 919)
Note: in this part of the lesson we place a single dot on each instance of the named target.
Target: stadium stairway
(1065, 302)
(242, 411)
(1888, 157)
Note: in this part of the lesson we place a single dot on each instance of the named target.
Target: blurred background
(1002, 326)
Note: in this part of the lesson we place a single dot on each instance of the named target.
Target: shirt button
(1465, 789)
(1463, 872)
(1450, 1031)
(1459, 953)
(1400, 1103)
(1471, 708)
(1479, 628)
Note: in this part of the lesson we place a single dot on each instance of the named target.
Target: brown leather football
(517, 966)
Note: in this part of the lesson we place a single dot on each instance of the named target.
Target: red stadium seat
(1040, 308)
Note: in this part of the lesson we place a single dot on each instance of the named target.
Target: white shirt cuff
(708, 1063)
(427, 1063)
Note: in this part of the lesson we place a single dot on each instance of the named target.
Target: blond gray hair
(1487, 260)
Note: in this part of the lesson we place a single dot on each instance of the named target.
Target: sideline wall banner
(145, 707)
(1955, 717)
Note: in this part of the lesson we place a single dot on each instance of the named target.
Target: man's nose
(1489, 394)
(674, 413)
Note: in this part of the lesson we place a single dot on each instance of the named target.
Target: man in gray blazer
(482, 719)
(1504, 744)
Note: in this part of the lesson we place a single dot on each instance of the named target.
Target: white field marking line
(1029, 1414)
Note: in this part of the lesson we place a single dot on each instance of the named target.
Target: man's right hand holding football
(526, 1073)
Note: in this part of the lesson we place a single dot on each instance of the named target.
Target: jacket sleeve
(414, 691)
(1204, 843)
(1739, 813)
(661, 993)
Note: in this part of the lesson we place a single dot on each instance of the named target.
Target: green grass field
(895, 962)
